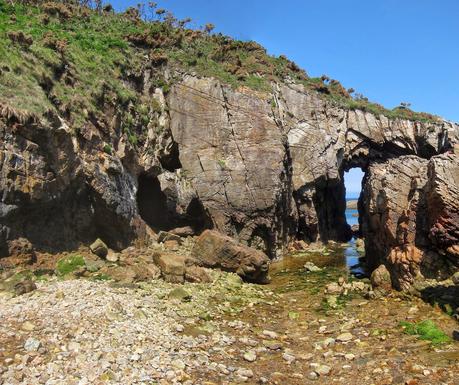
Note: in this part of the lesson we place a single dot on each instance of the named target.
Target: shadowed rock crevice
(160, 211)
(152, 203)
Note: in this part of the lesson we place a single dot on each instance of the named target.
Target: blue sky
(391, 51)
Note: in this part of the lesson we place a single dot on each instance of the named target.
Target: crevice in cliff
(160, 212)
(152, 203)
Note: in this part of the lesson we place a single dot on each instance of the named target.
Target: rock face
(410, 219)
(263, 168)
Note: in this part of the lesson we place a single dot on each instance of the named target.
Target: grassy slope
(76, 61)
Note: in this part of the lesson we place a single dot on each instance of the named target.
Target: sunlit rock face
(264, 168)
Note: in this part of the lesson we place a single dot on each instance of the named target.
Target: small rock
(270, 334)
(288, 357)
(250, 356)
(99, 248)
(180, 294)
(349, 356)
(112, 257)
(309, 266)
(244, 372)
(345, 337)
(313, 376)
(178, 364)
(323, 370)
(32, 344)
(28, 326)
(455, 278)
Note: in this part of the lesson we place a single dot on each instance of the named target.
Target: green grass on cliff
(61, 57)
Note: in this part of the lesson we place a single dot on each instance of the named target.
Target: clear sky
(391, 51)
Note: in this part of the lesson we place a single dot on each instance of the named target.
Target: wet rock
(216, 250)
(99, 248)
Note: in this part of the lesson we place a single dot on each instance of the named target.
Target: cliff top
(68, 58)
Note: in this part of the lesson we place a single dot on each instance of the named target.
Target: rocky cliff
(139, 144)
(265, 168)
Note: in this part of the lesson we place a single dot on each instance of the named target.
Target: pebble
(345, 337)
(349, 356)
(270, 334)
(288, 357)
(32, 344)
(323, 370)
(250, 356)
(244, 372)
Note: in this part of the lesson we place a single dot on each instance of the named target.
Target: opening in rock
(160, 213)
(152, 203)
(355, 253)
(353, 185)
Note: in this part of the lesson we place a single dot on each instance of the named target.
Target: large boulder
(216, 250)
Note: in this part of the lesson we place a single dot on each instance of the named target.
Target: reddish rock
(197, 274)
(172, 266)
(215, 250)
(20, 253)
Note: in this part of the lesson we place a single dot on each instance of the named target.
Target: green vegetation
(87, 64)
(108, 149)
(69, 264)
(426, 330)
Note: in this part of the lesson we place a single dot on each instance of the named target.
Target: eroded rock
(215, 250)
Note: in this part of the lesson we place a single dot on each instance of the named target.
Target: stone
(264, 175)
(272, 345)
(99, 248)
(165, 236)
(323, 370)
(215, 250)
(28, 326)
(334, 288)
(112, 257)
(197, 274)
(23, 287)
(172, 266)
(32, 344)
(455, 278)
(20, 253)
(250, 356)
(309, 266)
(380, 278)
(270, 334)
(179, 294)
(290, 358)
(185, 231)
(345, 337)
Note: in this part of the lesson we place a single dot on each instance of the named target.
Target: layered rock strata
(263, 168)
